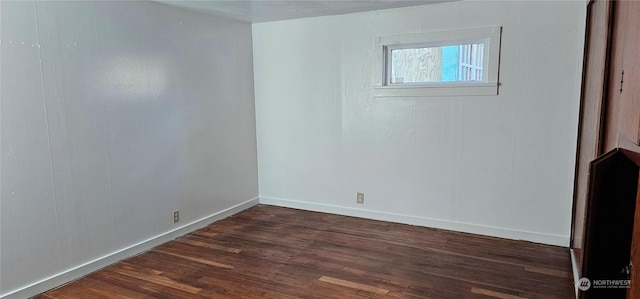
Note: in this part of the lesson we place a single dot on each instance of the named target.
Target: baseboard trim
(574, 268)
(421, 221)
(99, 263)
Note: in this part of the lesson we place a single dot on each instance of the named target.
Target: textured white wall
(113, 115)
(496, 165)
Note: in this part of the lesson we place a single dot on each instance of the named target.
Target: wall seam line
(46, 117)
(106, 134)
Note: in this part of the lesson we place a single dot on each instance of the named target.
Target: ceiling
(257, 11)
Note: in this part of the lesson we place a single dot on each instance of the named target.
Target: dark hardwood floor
(273, 252)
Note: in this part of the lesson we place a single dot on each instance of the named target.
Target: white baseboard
(99, 263)
(422, 221)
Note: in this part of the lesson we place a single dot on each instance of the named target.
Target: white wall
(497, 165)
(113, 115)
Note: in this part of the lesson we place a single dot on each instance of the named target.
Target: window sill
(437, 90)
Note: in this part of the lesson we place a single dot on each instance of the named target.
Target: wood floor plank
(274, 252)
(116, 282)
(205, 233)
(156, 278)
(199, 260)
(548, 271)
(354, 285)
(495, 294)
(207, 245)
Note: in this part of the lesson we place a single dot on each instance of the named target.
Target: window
(436, 64)
(461, 62)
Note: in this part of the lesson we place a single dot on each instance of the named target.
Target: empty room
(319, 149)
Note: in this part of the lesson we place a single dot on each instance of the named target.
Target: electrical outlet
(176, 216)
(360, 198)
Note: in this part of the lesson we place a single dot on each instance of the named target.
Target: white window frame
(490, 36)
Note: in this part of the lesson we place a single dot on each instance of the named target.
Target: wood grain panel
(630, 96)
(594, 82)
(613, 114)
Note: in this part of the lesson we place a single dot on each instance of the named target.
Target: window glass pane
(437, 64)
